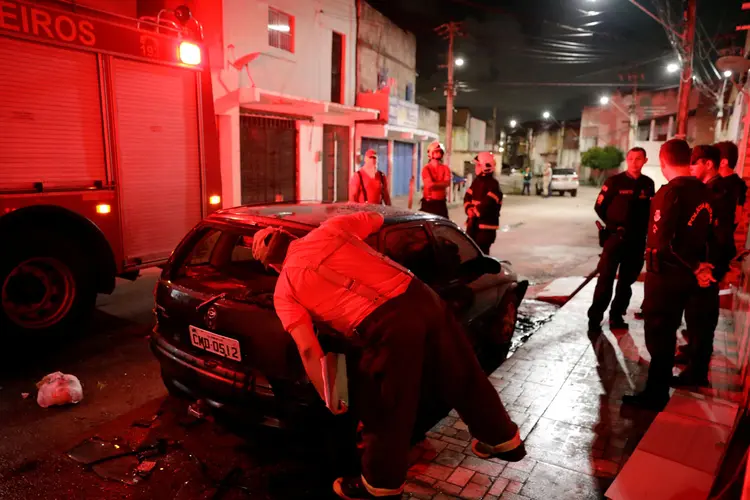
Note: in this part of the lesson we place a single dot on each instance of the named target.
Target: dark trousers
(483, 237)
(701, 318)
(437, 207)
(626, 256)
(413, 342)
(666, 296)
(526, 188)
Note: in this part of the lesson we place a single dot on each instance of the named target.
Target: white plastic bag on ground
(58, 389)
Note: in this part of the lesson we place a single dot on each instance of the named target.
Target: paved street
(545, 238)
(122, 384)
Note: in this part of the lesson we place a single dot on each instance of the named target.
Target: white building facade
(284, 96)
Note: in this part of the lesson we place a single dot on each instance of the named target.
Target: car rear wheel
(501, 334)
(574, 193)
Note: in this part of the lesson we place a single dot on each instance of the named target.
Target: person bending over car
(405, 332)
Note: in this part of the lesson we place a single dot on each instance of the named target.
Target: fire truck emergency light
(103, 208)
(214, 200)
(189, 53)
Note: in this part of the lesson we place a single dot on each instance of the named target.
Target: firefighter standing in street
(623, 204)
(436, 180)
(702, 310)
(369, 185)
(676, 262)
(407, 336)
(482, 203)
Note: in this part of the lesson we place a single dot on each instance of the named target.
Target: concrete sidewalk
(565, 394)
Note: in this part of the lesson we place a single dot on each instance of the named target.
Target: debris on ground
(24, 395)
(117, 461)
(147, 422)
(59, 389)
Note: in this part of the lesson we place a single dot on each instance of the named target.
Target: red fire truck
(108, 153)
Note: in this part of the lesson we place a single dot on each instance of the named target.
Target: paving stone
(433, 434)
(525, 465)
(419, 491)
(498, 487)
(429, 455)
(484, 466)
(481, 479)
(437, 471)
(448, 431)
(443, 496)
(463, 435)
(449, 488)
(424, 480)
(548, 480)
(514, 487)
(434, 444)
(457, 448)
(605, 468)
(450, 458)
(473, 491)
(459, 442)
(461, 426)
(512, 496)
(515, 475)
(461, 476)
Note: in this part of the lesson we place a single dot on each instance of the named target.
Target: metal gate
(402, 163)
(50, 117)
(268, 159)
(159, 165)
(381, 147)
(335, 163)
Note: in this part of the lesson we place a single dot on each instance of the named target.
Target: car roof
(313, 214)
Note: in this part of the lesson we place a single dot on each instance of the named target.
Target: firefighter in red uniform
(482, 203)
(436, 179)
(405, 333)
(369, 185)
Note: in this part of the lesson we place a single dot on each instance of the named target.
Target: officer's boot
(355, 489)
(617, 323)
(647, 400)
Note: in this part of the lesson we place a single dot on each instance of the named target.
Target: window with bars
(280, 30)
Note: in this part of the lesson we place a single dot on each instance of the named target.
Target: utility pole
(686, 80)
(633, 78)
(450, 31)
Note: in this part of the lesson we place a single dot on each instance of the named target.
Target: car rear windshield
(221, 261)
(563, 171)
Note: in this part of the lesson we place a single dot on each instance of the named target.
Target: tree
(602, 159)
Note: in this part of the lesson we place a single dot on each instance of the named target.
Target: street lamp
(604, 100)
(546, 115)
(673, 67)
(459, 61)
(513, 124)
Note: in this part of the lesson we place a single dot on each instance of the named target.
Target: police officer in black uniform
(735, 186)
(623, 205)
(676, 263)
(702, 311)
(482, 203)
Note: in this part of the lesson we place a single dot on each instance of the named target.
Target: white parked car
(564, 180)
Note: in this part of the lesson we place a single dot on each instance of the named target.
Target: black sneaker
(646, 401)
(688, 379)
(483, 450)
(617, 324)
(353, 488)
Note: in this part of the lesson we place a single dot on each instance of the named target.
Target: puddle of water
(532, 314)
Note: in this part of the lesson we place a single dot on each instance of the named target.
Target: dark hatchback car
(217, 336)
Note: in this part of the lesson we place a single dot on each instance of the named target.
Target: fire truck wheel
(45, 286)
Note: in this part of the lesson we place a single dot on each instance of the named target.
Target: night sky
(567, 41)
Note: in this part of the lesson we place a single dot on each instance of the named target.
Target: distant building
(386, 78)
(608, 125)
(469, 138)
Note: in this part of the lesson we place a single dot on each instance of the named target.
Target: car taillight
(189, 53)
(214, 200)
(575, 177)
(103, 208)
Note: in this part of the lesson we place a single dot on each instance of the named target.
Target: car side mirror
(481, 265)
(490, 265)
